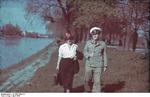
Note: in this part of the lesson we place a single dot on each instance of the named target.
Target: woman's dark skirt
(66, 73)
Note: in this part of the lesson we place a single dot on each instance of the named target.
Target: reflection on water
(14, 50)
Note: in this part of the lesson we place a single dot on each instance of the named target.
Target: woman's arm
(59, 58)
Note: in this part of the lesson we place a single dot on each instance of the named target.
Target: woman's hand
(57, 69)
(75, 58)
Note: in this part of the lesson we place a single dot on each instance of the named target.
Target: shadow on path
(107, 88)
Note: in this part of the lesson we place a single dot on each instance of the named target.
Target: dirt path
(127, 72)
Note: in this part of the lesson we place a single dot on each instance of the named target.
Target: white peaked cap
(95, 28)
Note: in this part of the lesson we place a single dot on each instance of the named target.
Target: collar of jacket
(97, 43)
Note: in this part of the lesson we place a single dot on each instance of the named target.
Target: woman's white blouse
(67, 51)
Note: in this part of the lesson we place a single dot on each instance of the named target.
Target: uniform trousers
(93, 74)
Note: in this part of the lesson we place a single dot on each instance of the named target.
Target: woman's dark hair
(69, 38)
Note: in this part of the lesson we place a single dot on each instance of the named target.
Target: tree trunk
(125, 40)
(76, 35)
(134, 41)
(109, 40)
(66, 15)
(81, 34)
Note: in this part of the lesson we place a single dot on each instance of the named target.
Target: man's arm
(105, 56)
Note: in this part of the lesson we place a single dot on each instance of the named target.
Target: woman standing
(66, 57)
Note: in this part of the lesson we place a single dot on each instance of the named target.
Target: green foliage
(91, 11)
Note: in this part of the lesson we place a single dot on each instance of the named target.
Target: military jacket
(95, 53)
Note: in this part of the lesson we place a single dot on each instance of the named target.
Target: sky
(13, 11)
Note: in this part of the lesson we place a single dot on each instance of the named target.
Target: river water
(13, 50)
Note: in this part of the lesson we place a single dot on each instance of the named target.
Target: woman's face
(70, 41)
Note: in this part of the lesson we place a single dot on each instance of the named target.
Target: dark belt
(67, 58)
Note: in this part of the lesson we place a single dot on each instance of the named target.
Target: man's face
(95, 36)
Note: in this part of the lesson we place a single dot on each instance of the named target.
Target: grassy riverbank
(19, 73)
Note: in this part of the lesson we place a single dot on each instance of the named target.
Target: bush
(11, 30)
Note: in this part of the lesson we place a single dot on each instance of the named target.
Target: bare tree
(135, 14)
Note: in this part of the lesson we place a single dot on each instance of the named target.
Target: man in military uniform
(96, 59)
